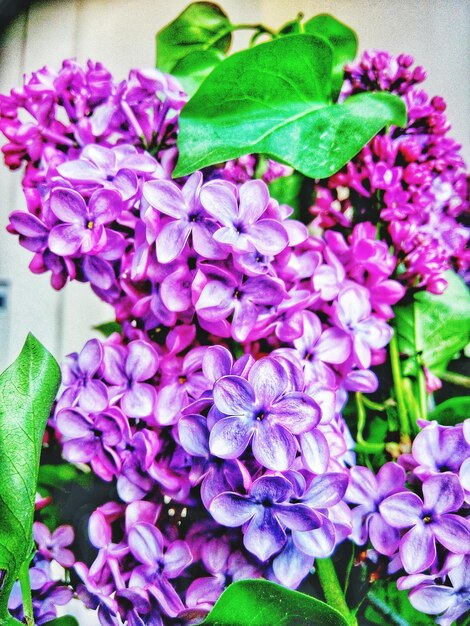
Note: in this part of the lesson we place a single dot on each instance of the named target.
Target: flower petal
(296, 411)
(146, 543)
(232, 509)
(453, 532)
(274, 446)
(229, 437)
(417, 549)
(264, 535)
(443, 493)
(233, 395)
(402, 510)
(171, 240)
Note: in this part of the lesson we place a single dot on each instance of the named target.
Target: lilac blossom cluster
(46, 573)
(415, 513)
(216, 412)
(411, 180)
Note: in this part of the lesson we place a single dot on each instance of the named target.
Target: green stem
(456, 379)
(398, 386)
(362, 445)
(26, 593)
(422, 394)
(332, 589)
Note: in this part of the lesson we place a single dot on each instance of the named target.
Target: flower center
(427, 519)
(90, 224)
(182, 380)
(260, 416)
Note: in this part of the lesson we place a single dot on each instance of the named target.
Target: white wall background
(120, 33)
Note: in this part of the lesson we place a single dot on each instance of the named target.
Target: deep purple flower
(92, 438)
(268, 511)
(158, 566)
(429, 520)
(262, 409)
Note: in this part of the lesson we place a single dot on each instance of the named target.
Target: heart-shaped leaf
(343, 41)
(260, 602)
(27, 390)
(275, 99)
(194, 68)
(201, 26)
(452, 411)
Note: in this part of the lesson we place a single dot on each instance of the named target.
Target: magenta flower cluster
(216, 412)
(410, 181)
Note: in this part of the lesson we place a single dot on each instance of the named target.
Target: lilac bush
(218, 412)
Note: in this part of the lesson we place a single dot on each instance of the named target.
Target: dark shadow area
(10, 9)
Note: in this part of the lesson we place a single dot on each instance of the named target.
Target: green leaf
(194, 68)
(27, 391)
(387, 605)
(260, 602)
(443, 326)
(108, 328)
(343, 41)
(65, 620)
(286, 190)
(275, 99)
(201, 26)
(452, 411)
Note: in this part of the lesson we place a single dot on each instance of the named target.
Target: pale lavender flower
(127, 368)
(352, 313)
(447, 602)
(262, 409)
(240, 211)
(79, 375)
(368, 491)
(189, 217)
(429, 520)
(54, 545)
(83, 228)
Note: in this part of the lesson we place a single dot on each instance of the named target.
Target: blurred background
(121, 34)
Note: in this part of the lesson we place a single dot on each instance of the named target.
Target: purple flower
(352, 313)
(114, 168)
(84, 228)
(188, 216)
(78, 374)
(262, 409)
(158, 566)
(317, 348)
(449, 602)
(368, 491)
(242, 228)
(428, 521)
(225, 293)
(53, 545)
(267, 511)
(91, 438)
(127, 369)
